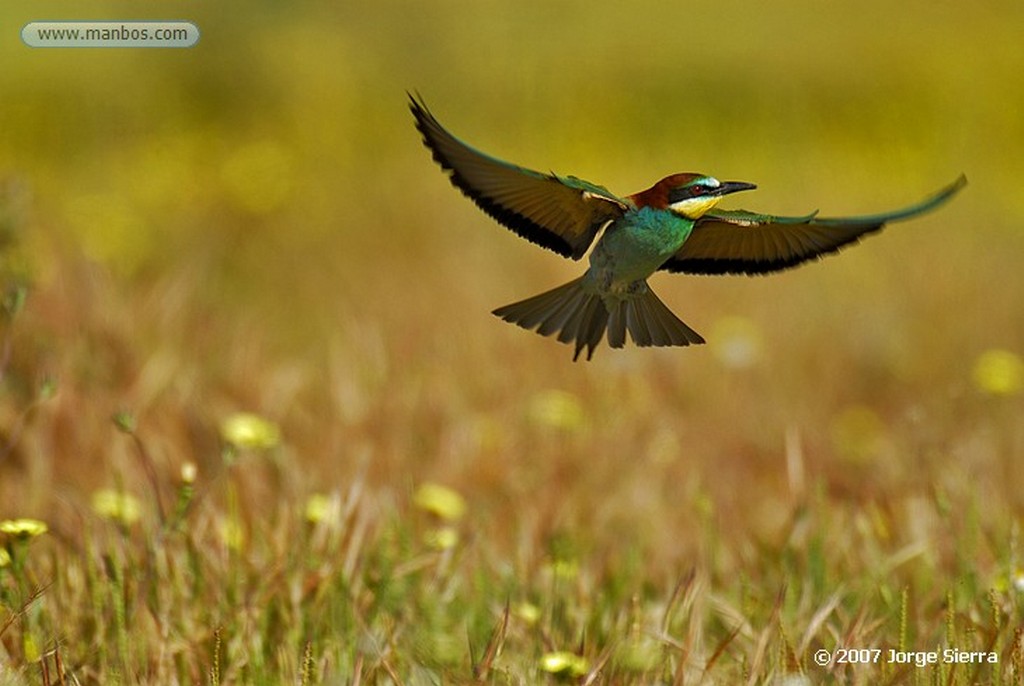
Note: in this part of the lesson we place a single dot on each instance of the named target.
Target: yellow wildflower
(442, 538)
(1017, 580)
(189, 471)
(564, 568)
(23, 528)
(232, 534)
(564, 663)
(557, 409)
(117, 506)
(29, 648)
(320, 508)
(440, 501)
(528, 612)
(247, 430)
(999, 372)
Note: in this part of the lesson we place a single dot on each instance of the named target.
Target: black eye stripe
(678, 194)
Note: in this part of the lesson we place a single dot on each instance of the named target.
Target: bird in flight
(673, 225)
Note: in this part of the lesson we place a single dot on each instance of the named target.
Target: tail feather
(581, 316)
(617, 326)
(586, 325)
(558, 318)
(637, 325)
(536, 311)
(592, 327)
(572, 329)
(663, 327)
(659, 334)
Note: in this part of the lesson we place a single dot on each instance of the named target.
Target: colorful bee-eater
(673, 225)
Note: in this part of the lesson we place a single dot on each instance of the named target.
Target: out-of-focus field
(252, 226)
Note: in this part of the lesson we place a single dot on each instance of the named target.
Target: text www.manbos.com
(121, 33)
(40, 34)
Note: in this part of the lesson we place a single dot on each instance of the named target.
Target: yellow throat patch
(694, 208)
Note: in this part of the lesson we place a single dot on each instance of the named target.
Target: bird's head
(688, 195)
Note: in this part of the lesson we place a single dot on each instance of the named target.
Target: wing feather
(563, 214)
(742, 242)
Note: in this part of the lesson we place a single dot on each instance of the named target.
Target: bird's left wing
(741, 242)
(562, 214)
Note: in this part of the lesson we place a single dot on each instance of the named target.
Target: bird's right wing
(563, 214)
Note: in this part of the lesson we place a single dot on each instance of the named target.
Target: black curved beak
(728, 187)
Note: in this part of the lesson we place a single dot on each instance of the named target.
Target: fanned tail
(580, 316)
(649, 322)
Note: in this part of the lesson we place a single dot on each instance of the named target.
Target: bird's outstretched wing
(563, 214)
(741, 242)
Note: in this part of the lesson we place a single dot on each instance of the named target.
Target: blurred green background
(284, 132)
(259, 217)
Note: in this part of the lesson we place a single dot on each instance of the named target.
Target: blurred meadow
(250, 383)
